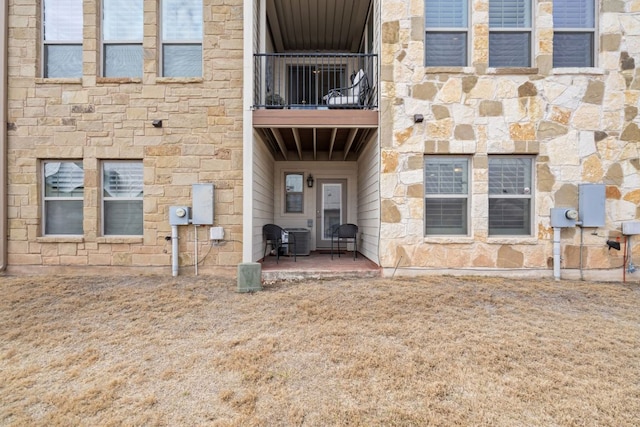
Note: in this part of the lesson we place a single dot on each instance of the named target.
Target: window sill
(120, 239)
(59, 80)
(104, 80)
(449, 70)
(60, 239)
(503, 71)
(513, 240)
(577, 70)
(449, 239)
(179, 79)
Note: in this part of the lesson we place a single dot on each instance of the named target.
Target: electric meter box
(563, 217)
(591, 199)
(179, 215)
(202, 211)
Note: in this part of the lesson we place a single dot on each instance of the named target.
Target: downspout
(4, 36)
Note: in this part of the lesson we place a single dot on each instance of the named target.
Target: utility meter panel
(591, 200)
(179, 215)
(563, 217)
(202, 212)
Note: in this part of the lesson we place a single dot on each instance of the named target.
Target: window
(446, 195)
(510, 199)
(63, 197)
(122, 198)
(62, 30)
(447, 32)
(182, 38)
(122, 29)
(574, 33)
(293, 192)
(510, 33)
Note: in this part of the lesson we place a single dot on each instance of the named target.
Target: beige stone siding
(581, 125)
(93, 119)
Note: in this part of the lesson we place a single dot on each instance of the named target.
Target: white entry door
(331, 209)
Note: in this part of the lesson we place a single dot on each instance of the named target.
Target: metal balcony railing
(316, 81)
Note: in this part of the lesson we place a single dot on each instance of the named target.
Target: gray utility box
(591, 199)
(179, 215)
(202, 211)
(562, 217)
(631, 228)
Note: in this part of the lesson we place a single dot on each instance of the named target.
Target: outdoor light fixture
(157, 123)
(310, 181)
(613, 245)
(418, 118)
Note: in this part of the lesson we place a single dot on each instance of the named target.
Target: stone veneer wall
(581, 124)
(95, 118)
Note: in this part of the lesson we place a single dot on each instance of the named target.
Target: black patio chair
(345, 232)
(278, 238)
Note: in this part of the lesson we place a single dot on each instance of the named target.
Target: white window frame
(466, 30)
(179, 42)
(107, 199)
(583, 30)
(46, 171)
(514, 30)
(466, 196)
(525, 193)
(50, 43)
(119, 42)
(293, 193)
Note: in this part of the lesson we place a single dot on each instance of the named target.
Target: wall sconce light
(613, 245)
(418, 118)
(157, 123)
(310, 181)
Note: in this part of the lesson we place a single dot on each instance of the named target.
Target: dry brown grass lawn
(150, 350)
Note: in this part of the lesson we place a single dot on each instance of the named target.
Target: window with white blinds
(446, 33)
(122, 32)
(510, 33)
(294, 196)
(182, 38)
(63, 197)
(446, 199)
(122, 191)
(510, 195)
(574, 33)
(62, 34)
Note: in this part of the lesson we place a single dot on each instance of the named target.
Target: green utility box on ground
(249, 277)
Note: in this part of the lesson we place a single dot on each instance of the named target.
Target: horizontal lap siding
(369, 200)
(263, 204)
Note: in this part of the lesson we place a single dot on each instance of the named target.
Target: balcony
(316, 106)
(316, 81)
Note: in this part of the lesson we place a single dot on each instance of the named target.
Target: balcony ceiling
(315, 134)
(317, 25)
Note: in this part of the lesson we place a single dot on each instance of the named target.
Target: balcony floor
(318, 265)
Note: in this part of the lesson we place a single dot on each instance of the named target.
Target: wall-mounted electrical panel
(202, 211)
(630, 228)
(591, 202)
(179, 215)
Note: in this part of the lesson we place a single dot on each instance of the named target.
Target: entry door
(331, 209)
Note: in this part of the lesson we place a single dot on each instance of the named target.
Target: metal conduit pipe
(4, 36)
(556, 252)
(174, 250)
